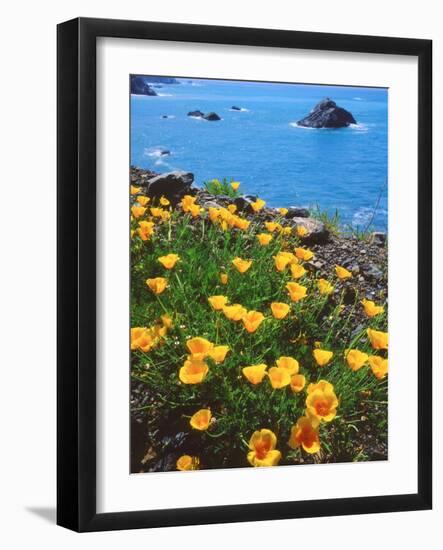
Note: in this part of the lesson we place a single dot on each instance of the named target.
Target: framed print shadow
(244, 245)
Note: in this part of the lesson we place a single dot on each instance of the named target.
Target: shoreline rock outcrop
(208, 116)
(139, 86)
(326, 114)
(171, 185)
(175, 185)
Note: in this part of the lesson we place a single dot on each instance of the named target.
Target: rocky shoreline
(365, 256)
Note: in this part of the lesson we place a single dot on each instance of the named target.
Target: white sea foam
(296, 125)
(241, 110)
(357, 98)
(364, 215)
(204, 119)
(164, 95)
(359, 127)
(156, 152)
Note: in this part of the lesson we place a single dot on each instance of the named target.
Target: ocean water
(262, 147)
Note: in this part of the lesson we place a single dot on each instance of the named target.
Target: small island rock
(326, 114)
(211, 116)
(196, 113)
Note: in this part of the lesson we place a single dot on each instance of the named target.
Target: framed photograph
(244, 216)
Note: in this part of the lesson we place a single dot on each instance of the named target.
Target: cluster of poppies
(321, 401)
(147, 338)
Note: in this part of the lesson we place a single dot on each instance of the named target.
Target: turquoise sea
(262, 147)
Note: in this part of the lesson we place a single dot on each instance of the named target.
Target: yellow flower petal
(288, 363)
(157, 285)
(218, 353)
(217, 302)
(169, 260)
(378, 339)
(201, 419)
(322, 404)
(356, 359)
(241, 265)
(193, 371)
(301, 231)
(297, 271)
(279, 377)
(298, 382)
(280, 309)
(371, 309)
(379, 366)
(296, 292)
(264, 238)
(199, 346)
(235, 312)
(304, 254)
(324, 287)
(322, 356)
(257, 205)
(187, 462)
(255, 373)
(262, 449)
(342, 273)
(138, 211)
(305, 434)
(252, 320)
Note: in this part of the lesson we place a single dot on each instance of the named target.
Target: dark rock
(140, 86)
(209, 204)
(356, 331)
(172, 185)
(165, 152)
(378, 238)
(295, 212)
(166, 464)
(211, 116)
(314, 265)
(197, 113)
(326, 114)
(172, 442)
(317, 231)
(165, 116)
(349, 295)
(140, 176)
(370, 271)
(235, 108)
(243, 203)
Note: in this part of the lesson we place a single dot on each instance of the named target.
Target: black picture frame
(77, 249)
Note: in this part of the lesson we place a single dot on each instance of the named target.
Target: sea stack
(326, 114)
(211, 116)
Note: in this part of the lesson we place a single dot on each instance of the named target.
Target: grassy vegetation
(334, 224)
(170, 308)
(224, 187)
